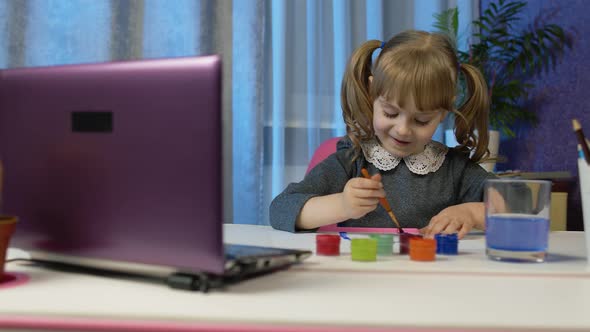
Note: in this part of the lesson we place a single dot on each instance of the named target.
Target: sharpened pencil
(581, 139)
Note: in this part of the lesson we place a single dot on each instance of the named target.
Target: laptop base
(247, 262)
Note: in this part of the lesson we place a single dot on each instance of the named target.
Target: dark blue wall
(559, 96)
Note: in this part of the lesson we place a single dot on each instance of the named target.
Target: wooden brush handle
(382, 200)
(385, 204)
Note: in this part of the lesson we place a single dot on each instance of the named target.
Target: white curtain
(309, 45)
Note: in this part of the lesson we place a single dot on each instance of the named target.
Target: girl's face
(403, 132)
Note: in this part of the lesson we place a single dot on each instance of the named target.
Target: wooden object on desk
(554, 175)
(558, 214)
(1, 182)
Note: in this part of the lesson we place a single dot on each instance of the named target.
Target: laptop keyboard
(233, 251)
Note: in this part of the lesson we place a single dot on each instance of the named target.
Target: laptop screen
(117, 161)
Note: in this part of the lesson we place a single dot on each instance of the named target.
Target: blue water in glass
(517, 232)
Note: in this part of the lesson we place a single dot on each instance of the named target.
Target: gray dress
(414, 198)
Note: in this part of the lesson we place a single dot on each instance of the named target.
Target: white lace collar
(427, 161)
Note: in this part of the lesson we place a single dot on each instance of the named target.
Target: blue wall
(559, 96)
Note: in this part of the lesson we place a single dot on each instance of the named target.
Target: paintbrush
(581, 140)
(385, 204)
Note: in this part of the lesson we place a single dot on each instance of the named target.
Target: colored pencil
(581, 140)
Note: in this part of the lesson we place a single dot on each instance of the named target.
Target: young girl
(391, 109)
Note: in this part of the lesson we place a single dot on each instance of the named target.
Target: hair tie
(382, 45)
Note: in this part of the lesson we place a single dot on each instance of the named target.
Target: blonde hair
(423, 66)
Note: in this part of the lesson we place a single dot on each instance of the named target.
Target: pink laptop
(121, 163)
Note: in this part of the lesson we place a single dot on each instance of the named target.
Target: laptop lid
(118, 161)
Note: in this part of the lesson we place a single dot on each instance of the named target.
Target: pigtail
(473, 115)
(357, 105)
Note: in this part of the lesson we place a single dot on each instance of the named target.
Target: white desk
(454, 293)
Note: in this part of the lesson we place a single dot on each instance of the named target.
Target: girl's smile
(400, 143)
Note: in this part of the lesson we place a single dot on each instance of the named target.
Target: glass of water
(517, 219)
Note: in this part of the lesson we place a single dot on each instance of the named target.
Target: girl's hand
(456, 219)
(361, 196)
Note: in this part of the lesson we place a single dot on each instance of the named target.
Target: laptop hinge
(197, 281)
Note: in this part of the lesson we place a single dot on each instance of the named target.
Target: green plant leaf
(508, 58)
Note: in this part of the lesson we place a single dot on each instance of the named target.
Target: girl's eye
(422, 123)
(390, 115)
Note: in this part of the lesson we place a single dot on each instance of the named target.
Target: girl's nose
(403, 128)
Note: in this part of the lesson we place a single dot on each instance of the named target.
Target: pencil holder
(584, 175)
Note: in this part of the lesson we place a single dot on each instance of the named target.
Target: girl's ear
(370, 79)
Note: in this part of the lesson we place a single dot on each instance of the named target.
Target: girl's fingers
(436, 226)
(376, 177)
(362, 183)
(367, 201)
(369, 193)
(446, 226)
(424, 230)
(452, 227)
(463, 231)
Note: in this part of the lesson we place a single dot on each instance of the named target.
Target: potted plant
(507, 59)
